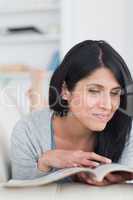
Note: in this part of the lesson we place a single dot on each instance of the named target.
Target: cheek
(116, 104)
(76, 101)
(81, 106)
(83, 101)
(82, 109)
(91, 102)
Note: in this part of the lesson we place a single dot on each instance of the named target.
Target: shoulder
(34, 127)
(127, 154)
(36, 118)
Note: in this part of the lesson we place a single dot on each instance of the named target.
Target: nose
(106, 101)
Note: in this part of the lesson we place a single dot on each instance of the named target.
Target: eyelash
(112, 93)
(93, 91)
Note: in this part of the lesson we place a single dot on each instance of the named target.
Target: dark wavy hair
(81, 60)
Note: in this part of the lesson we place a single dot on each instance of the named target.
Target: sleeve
(23, 154)
(127, 155)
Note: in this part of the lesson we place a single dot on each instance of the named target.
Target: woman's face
(95, 99)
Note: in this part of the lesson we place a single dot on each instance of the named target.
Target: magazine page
(98, 174)
(103, 170)
(54, 176)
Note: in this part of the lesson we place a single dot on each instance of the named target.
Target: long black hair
(82, 60)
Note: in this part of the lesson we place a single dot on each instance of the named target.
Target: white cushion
(4, 157)
(9, 115)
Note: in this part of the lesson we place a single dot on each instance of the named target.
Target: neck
(70, 130)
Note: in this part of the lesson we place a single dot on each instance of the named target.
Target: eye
(116, 93)
(93, 91)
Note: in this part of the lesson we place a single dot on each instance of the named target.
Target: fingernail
(108, 161)
(90, 181)
(75, 165)
(97, 164)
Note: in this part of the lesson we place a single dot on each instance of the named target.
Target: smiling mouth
(100, 117)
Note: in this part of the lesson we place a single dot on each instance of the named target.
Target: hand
(70, 158)
(111, 178)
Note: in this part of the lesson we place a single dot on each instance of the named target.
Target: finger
(132, 176)
(114, 178)
(89, 163)
(86, 179)
(97, 183)
(122, 176)
(96, 157)
(81, 177)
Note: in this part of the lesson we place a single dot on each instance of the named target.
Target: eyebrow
(101, 86)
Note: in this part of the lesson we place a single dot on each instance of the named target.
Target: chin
(98, 128)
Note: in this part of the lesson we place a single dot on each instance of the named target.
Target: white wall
(67, 24)
(29, 49)
(129, 33)
(100, 19)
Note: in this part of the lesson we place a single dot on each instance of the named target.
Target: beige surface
(86, 192)
(47, 192)
(69, 191)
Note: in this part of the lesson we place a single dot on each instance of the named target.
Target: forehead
(103, 77)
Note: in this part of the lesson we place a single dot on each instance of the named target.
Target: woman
(86, 125)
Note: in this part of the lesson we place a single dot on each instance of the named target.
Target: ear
(65, 93)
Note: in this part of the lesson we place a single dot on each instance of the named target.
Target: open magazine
(98, 174)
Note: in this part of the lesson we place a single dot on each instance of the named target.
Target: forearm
(43, 163)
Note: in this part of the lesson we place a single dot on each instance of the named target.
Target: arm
(24, 155)
(113, 178)
(31, 160)
(127, 155)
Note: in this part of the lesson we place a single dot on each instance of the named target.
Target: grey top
(30, 138)
(34, 135)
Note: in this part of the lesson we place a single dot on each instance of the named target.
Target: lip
(101, 117)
